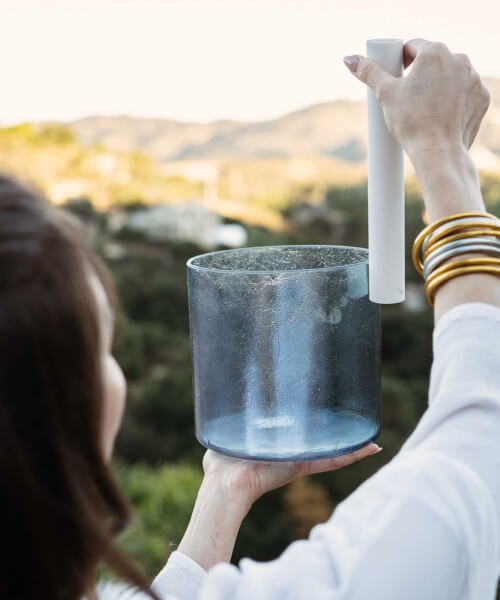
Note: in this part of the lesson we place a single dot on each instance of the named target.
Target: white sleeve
(427, 524)
(180, 578)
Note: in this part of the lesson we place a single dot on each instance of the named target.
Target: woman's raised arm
(435, 113)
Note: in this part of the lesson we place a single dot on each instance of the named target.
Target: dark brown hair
(60, 506)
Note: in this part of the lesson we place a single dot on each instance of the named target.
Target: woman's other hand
(251, 479)
(229, 488)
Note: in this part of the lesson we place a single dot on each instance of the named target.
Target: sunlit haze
(210, 59)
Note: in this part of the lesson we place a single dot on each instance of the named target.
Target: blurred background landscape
(154, 191)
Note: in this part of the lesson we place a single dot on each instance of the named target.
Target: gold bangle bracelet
(457, 227)
(433, 226)
(459, 236)
(464, 262)
(430, 289)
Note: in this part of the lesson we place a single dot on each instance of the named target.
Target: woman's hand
(229, 488)
(435, 113)
(251, 479)
(439, 105)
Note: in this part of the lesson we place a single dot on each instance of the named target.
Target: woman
(61, 402)
(425, 526)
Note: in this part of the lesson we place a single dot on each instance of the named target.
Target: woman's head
(61, 400)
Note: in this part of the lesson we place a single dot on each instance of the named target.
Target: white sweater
(425, 527)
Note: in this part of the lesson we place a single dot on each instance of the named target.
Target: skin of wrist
(235, 499)
(431, 160)
(450, 184)
(449, 180)
(216, 519)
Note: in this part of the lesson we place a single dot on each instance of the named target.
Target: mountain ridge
(335, 129)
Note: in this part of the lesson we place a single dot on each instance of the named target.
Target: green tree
(162, 499)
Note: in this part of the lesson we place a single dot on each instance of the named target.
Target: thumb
(368, 71)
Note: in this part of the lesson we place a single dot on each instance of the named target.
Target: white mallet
(386, 238)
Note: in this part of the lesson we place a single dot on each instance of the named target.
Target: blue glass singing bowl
(286, 351)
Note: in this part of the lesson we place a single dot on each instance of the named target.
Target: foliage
(50, 157)
(39, 136)
(162, 499)
(307, 504)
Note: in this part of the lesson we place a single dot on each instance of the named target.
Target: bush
(162, 500)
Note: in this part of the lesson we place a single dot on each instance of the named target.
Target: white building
(188, 222)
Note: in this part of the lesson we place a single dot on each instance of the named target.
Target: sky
(200, 60)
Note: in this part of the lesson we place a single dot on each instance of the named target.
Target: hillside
(252, 191)
(335, 129)
(50, 158)
(331, 129)
(245, 171)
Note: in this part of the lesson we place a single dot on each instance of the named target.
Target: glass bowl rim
(190, 265)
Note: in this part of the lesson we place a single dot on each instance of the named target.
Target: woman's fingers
(411, 49)
(415, 50)
(332, 464)
(370, 73)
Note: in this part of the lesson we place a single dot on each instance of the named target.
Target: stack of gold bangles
(451, 237)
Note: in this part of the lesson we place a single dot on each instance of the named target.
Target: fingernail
(352, 63)
(379, 449)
